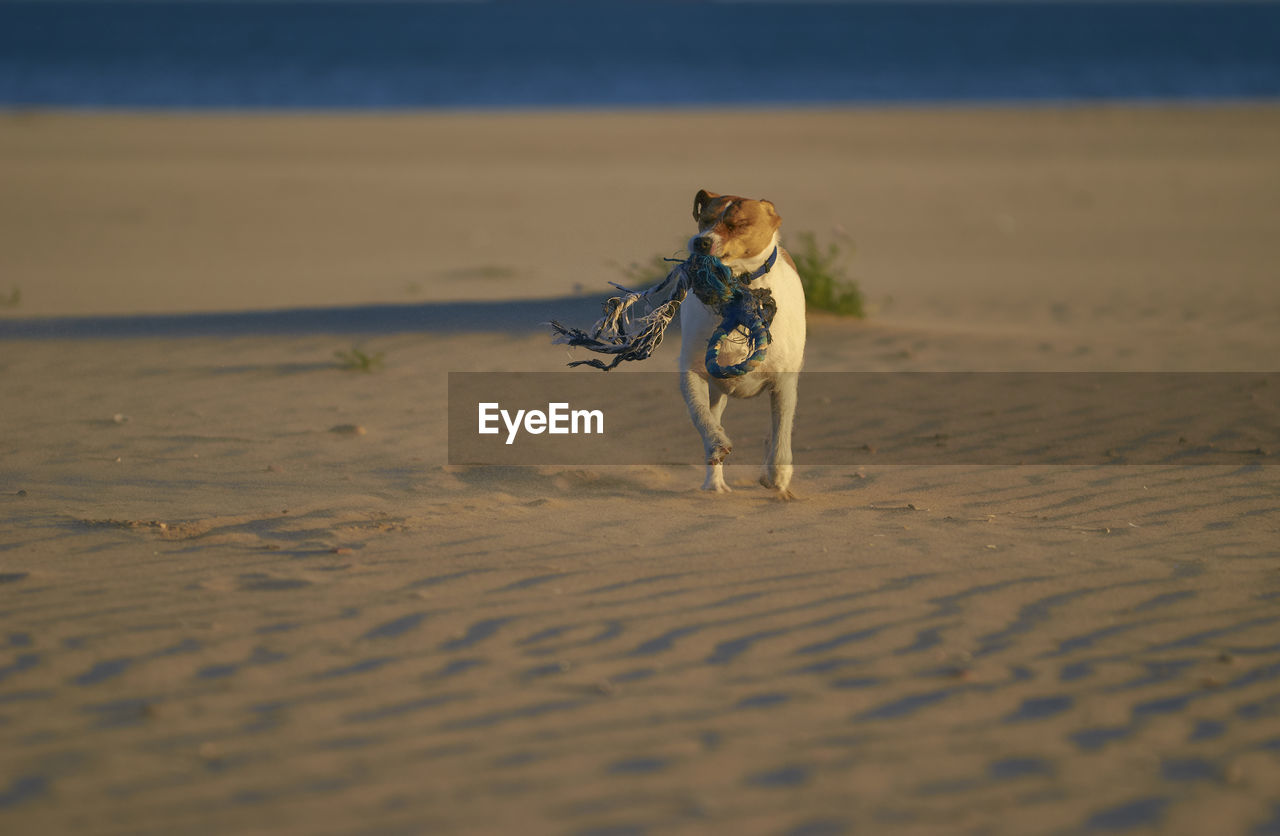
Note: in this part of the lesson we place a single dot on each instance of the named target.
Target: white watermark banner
(857, 418)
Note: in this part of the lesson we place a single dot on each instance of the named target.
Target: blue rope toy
(745, 314)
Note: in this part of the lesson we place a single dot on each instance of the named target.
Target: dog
(743, 234)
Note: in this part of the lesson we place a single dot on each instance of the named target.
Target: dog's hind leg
(718, 399)
(777, 463)
(706, 413)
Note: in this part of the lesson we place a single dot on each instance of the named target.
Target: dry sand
(218, 615)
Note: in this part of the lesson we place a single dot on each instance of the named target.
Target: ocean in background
(403, 55)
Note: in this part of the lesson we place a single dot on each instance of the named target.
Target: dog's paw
(784, 494)
(715, 481)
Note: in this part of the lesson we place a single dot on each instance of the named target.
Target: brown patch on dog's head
(700, 202)
(735, 227)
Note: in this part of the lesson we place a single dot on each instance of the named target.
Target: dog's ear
(772, 212)
(700, 201)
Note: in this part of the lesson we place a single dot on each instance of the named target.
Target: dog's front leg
(777, 464)
(706, 418)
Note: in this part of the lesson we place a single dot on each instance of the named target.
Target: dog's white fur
(778, 374)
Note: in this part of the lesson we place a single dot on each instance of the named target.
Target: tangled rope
(745, 315)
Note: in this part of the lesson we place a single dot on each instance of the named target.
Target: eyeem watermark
(559, 419)
(891, 418)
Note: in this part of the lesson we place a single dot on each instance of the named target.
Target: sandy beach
(243, 591)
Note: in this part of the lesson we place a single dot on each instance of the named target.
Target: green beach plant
(356, 359)
(826, 287)
(12, 300)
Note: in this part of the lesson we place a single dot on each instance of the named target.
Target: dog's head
(732, 227)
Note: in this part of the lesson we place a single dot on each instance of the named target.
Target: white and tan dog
(743, 233)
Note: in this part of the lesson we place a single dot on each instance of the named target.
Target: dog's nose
(702, 244)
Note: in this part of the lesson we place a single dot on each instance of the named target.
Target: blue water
(610, 54)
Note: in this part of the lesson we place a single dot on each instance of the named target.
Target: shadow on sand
(448, 317)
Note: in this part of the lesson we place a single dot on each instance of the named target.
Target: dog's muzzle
(703, 244)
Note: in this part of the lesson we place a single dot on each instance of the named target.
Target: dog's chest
(786, 329)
